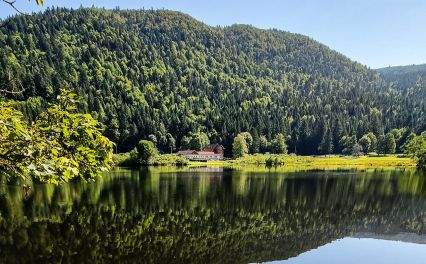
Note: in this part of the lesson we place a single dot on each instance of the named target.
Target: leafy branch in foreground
(15, 142)
(11, 3)
(61, 145)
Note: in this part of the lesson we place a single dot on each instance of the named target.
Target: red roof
(193, 152)
(216, 148)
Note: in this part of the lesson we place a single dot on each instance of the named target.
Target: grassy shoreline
(293, 162)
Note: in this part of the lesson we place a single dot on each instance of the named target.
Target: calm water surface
(164, 215)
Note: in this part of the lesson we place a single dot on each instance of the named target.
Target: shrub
(169, 159)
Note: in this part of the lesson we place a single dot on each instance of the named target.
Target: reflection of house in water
(211, 152)
(206, 169)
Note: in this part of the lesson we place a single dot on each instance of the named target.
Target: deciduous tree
(146, 151)
(239, 147)
(278, 144)
(416, 148)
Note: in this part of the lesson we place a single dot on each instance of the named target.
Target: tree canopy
(416, 147)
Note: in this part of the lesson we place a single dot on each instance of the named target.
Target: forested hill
(400, 70)
(165, 74)
(409, 80)
(405, 76)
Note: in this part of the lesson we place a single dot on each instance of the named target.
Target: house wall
(204, 157)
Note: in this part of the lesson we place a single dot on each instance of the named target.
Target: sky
(376, 33)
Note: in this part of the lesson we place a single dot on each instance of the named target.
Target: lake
(219, 215)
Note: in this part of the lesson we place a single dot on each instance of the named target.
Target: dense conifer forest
(164, 76)
(410, 79)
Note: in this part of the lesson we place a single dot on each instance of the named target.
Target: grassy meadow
(293, 162)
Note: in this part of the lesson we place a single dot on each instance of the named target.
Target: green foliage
(347, 143)
(386, 144)
(169, 159)
(357, 150)
(171, 142)
(59, 146)
(70, 144)
(248, 138)
(156, 73)
(326, 145)
(278, 144)
(239, 147)
(128, 159)
(390, 143)
(365, 143)
(264, 144)
(416, 148)
(15, 142)
(153, 139)
(198, 141)
(373, 140)
(146, 151)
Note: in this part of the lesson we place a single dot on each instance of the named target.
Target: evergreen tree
(381, 144)
(326, 144)
(263, 144)
(256, 143)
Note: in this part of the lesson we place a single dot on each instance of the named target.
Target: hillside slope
(405, 76)
(395, 70)
(409, 80)
(166, 74)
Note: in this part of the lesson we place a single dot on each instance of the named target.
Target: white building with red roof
(211, 152)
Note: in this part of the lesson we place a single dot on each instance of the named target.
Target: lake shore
(293, 162)
(312, 162)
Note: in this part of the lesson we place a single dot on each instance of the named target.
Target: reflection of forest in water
(216, 216)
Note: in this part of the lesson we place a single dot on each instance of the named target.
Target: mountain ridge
(403, 68)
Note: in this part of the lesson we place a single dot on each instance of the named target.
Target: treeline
(163, 76)
(396, 141)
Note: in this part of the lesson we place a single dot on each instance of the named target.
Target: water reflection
(164, 215)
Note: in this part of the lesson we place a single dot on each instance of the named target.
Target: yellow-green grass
(293, 162)
(363, 161)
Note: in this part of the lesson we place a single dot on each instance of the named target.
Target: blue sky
(377, 33)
